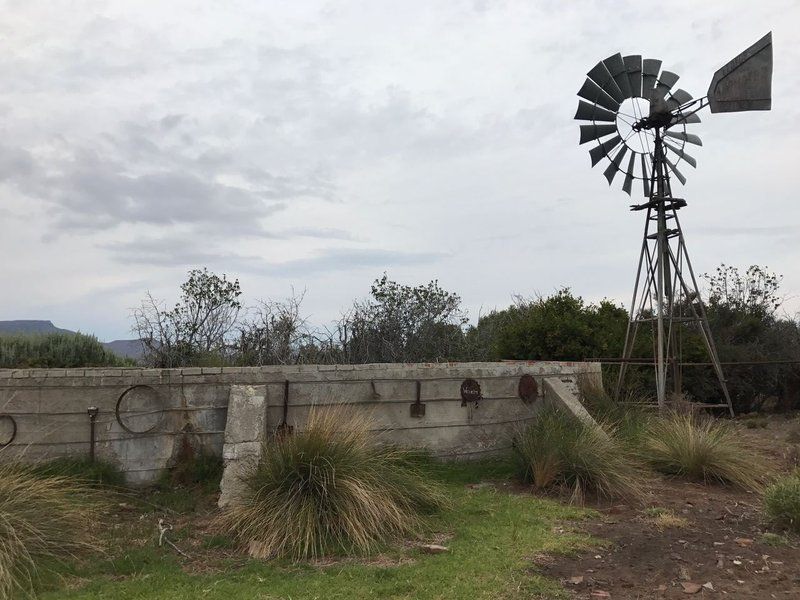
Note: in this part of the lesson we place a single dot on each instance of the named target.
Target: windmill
(641, 126)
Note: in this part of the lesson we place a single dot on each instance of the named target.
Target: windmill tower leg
(662, 286)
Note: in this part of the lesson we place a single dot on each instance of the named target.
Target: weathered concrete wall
(48, 407)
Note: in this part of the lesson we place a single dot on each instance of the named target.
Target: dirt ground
(692, 539)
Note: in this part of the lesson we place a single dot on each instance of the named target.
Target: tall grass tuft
(42, 519)
(557, 450)
(330, 489)
(628, 417)
(782, 502)
(700, 448)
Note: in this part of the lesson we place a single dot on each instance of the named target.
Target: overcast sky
(319, 144)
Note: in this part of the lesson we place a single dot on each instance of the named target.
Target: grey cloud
(340, 259)
(184, 251)
(177, 251)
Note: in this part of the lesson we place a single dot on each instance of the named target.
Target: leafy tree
(752, 293)
(400, 323)
(557, 327)
(197, 328)
(743, 316)
(276, 333)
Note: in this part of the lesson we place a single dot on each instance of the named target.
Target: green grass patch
(81, 468)
(491, 536)
(774, 539)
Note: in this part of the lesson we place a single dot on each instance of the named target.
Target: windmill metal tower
(640, 124)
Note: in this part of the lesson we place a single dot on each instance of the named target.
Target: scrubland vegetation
(210, 325)
(330, 514)
(55, 350)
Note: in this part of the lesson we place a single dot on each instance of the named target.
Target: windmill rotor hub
(631, 113)
(659, 115)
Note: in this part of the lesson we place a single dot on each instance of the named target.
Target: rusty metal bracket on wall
(470, 392)
(528, 389)
(284, 428)
(92, 411)
(418, 407)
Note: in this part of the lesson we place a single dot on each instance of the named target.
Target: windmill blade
(665, 82)
(626, 185)
(745, 83)
(633, 66)
(678, 98)
(603, 78)
(593, 132)
(616, 67)
(598, 152)
(645, 176)
(613, 168)
(690, 118)
(674, 169)
(592, 112)
(650, 68)
(686, 137)
(594, 93)
(679, 151)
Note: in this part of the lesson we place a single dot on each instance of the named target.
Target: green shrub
(558, 450)
(691, 446)
(782, 502)
(41, 519)
(82, 469)
(330, 489)
(56, 350)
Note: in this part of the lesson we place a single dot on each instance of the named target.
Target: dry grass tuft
(330, 489)
(702, 449)
(42, 519)
(557, 450)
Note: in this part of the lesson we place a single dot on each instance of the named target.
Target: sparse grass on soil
(490, 529)
(663, 518)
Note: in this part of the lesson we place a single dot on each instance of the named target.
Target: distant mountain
(31, 326)
(125, 348)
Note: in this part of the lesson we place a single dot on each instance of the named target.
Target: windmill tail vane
(640, 123)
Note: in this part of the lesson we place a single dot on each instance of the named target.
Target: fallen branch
(163, 528)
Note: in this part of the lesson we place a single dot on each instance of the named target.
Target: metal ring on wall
(13, 430)
(122, 397)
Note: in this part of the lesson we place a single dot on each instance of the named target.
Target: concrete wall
(161, 407)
